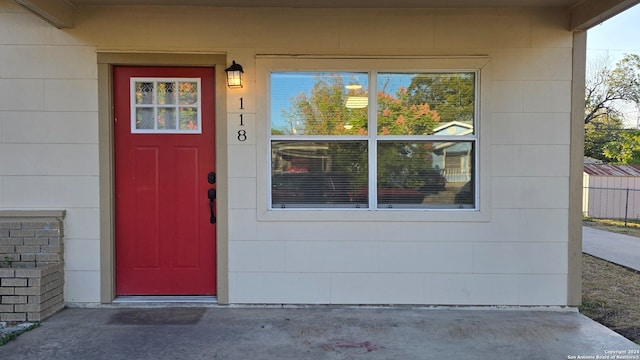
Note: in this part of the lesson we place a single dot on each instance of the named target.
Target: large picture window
(373, 140)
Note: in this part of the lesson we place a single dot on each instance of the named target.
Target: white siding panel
(448, 289)
(530, 160)
(532, 64)
(508, 96)
(50, 191)
(377, 288)
(242, 160)
(43, 62)
(242, 225)
(549, 30)
(493, 289)
(81, 254)
(547, 96)
(282, 288)
(332, 256)
(383, 33)
(414, 231)
(267, 256)
(81, 286)
(23, 28)
(467, 289)
(496, 31)
(520, 258)
(424, 232)
(202, 28)
(531, 128)
(206, 25)
(542, 290)
(82, 223)
(530, 192)
(242, 193)
(542, 225)
(440, 257)
(21, 94)
(506, 226)
(71, 95)
(529, 225)
(284, 31)
(551, 64)
(47, 159)
(49, 127)
(317, 231)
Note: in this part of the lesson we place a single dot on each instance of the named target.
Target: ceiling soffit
(583, 14)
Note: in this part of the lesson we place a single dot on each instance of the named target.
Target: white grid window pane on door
(166, 105)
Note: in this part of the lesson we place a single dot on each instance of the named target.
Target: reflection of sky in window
(286, 86)
(391, 82)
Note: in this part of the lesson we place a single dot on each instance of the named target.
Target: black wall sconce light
(234, 75)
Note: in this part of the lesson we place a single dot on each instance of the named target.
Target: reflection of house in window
(318, 174)
(301, 158)
(454, 157)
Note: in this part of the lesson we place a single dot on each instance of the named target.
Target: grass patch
(611, 296)
(11, 333)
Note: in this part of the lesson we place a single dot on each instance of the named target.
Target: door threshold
(164, 301)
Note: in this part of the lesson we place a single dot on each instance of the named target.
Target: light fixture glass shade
(357, 102)
(234, 75)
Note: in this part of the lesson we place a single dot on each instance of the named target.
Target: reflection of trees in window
(323, 111)
(397, 116)
(413, 112)
(451, 95)
(403, 165)
(320, 174)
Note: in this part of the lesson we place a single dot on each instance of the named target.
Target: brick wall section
(30, 242)
(31, 266)
(31, 294)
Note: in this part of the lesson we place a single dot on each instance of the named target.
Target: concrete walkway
(617, 248)
(317, 333)
(332, 332)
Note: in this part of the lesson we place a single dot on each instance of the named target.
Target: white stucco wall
(512, 253)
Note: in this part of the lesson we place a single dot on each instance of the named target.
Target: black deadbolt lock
(211, 178)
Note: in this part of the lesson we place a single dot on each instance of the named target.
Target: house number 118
(242, 134)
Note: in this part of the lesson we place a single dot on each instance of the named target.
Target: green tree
(626, 150)
(399, 116)
(606, 88)
(451, 95)
(598, 133)
(404, 164)
(323, 111)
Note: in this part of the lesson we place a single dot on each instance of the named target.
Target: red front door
(164, 155)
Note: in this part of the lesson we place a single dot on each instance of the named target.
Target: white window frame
(269, 64)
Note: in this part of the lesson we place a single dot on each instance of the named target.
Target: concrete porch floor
(317, 333)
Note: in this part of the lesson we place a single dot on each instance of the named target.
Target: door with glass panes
(164, 180)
